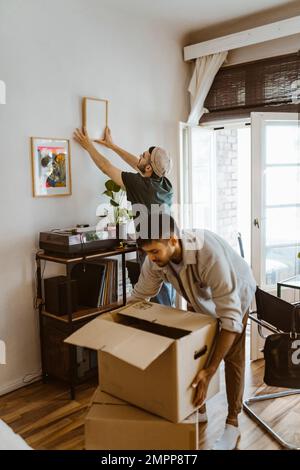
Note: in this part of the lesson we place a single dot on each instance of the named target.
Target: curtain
(205, 71)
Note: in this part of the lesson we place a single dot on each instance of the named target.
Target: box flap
(136, 347)
(98, 334)
(167, 316)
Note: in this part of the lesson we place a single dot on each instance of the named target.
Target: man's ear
(173, 240)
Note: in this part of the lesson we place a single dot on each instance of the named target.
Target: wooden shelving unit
(59, 360)
(84, 313)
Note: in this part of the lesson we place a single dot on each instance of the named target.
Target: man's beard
(161, 264)
(142, 168)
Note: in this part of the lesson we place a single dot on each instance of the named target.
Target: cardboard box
(149, 354)
(113, 424)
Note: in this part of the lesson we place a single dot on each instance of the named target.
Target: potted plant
(118, 202)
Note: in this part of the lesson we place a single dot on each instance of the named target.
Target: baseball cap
(160, 162)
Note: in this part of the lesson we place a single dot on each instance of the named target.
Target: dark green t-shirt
(147, 191)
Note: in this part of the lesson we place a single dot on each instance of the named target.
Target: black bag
(282, 357)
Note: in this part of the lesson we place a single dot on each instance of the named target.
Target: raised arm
(132, 160)
(102, 163)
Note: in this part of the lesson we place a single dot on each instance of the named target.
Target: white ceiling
(186, 16)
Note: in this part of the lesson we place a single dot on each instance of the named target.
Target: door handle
(256, 222)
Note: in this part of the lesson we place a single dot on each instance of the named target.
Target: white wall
(52, 53)
(237, 24)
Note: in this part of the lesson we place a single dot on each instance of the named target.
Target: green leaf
(114, 203)
(108, 193)
(108, 185)
(116, 188)
(112, 186)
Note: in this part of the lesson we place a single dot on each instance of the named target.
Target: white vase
(123, 230)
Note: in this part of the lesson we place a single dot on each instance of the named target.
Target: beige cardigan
(214, 279)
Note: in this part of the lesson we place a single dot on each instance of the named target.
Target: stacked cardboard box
(112, 424)
(148, 356)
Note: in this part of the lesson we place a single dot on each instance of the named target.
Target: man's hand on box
(201, 383)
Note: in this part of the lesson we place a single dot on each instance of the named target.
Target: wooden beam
(260, 34)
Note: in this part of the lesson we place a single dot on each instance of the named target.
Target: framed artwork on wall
(51, 167)
(94, 116)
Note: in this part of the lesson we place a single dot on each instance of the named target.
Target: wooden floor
(46, 418)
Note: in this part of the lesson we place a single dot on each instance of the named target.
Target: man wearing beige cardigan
(214, 280)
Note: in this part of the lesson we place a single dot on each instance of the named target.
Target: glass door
(275, 148)
(275, 197)
(197, 175)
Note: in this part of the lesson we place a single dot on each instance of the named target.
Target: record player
(78, 241)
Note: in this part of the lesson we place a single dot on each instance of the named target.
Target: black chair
(274, 315)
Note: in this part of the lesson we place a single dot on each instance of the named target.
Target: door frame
(258, 120)
(258, 195)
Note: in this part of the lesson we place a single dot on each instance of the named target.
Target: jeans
(235, 372)
(167, 293)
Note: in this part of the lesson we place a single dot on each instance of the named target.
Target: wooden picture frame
(94, 116)
(51, 167)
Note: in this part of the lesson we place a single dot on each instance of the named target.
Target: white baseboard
(12, 386)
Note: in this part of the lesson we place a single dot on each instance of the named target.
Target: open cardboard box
(149, 354)
(113, 424)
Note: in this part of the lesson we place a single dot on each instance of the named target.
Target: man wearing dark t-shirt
(148, 187)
